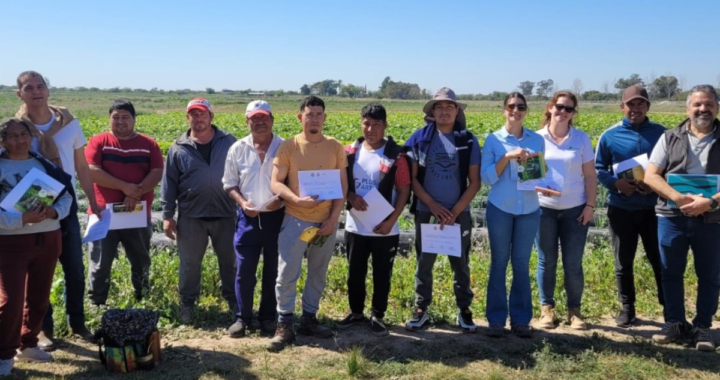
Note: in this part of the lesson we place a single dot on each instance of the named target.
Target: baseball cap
(635, 92)
(258, 106)
(199, 103)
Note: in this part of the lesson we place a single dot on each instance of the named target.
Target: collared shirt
(244, 169)
(503, 192)
(567, 158)
(697, 152)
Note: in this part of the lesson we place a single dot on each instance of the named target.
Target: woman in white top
(570, 161)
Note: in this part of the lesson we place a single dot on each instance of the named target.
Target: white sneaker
(6, 366)
(33, 354)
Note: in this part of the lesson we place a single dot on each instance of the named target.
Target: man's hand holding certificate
(325, 184)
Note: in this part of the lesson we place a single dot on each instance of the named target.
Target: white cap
(258, 106)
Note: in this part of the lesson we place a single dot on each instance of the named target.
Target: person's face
(122, 123)
(260, 124)
(445, 112)
(702, 110)
(312, 119)
(373, 130)
(563, 110)
(17, 139)
(515, 110)
(33, 91)
(635, 110)
(199, 119)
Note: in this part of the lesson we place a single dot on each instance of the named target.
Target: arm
(590, 181)
(103, 178)
(603, 163)
(690, 205)
(441, 213)
(470, 192)
(168, 194)
(330, 224)
(83, 175)
(278, 186)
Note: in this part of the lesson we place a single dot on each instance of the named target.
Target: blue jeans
(511, 238)
(677, 235)
(73, 267)
(562, 226)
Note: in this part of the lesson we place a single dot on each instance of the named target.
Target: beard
(314, 131)
(702, 120)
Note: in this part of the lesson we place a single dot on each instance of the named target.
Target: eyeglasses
(520, 107)
(562, 107)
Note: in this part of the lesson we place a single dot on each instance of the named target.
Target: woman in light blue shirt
(512, 218)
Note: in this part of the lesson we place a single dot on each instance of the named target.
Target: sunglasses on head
(520, 107)
(562, 107)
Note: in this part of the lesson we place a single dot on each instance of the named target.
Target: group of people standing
(244, 197)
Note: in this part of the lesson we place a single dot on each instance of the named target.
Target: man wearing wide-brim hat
(445, 172)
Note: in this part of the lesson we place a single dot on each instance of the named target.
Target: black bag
(123, 339)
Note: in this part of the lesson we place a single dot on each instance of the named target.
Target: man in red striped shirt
(125, 167)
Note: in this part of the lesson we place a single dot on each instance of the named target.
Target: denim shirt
(503, 192)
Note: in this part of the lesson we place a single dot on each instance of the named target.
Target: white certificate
(323, 183)
(97, 229)
(444, 242)
(377, 210)
(121, 220)
(35, 188)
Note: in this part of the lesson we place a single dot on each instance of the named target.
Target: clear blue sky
(471, 46)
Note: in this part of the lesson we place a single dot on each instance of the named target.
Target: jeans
(625, 227)
(511, 240)
(136, 242)
(71, 260)
(562, 226)
(256, 237)
(292, 250)
(359, 249)
(460, 265)
(678, 234)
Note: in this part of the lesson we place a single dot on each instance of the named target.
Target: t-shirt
(68, 139)
(297, 154)
(567, 158)
(443, 169)
(127, 160)
(697, 152)
(205, 150)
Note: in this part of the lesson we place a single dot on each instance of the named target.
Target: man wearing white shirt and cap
(260, 214)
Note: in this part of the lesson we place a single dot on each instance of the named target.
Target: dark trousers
(255, 237)
(136, 242)
(27, 265)
(460, 265)
(71, 260)
(359, 249)
(625, 228)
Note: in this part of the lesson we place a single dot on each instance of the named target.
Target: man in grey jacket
(192, 184)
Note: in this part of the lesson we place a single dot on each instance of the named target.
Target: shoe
(309, 325)
(547, 318)
(237, 329)
(703, 340)
(575, 319)
(6, 365)
(186, 315)
(495, 331)
(33, 354)
(672, 332)
(626, 317)
(268, 327)
(522, 331)
(465, 321)
(80, 331)
(45, 341)
(351, 320)
(418, 321)
(377, 326)
(284, 335)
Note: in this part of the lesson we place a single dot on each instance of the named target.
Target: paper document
(35, 188)
(263, 207)
(633, 168)
(444, 242)
(97, 228)
(122, 219)
(323, 183)
(705, 185)
(378, 209)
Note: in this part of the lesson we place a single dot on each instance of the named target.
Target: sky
(470, 46)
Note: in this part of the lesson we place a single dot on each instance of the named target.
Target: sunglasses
(562, 107)
(520, 107)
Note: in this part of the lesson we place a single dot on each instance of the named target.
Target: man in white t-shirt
(374, 162)
(62, 136)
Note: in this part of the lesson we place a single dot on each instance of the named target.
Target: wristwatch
(714, 205)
